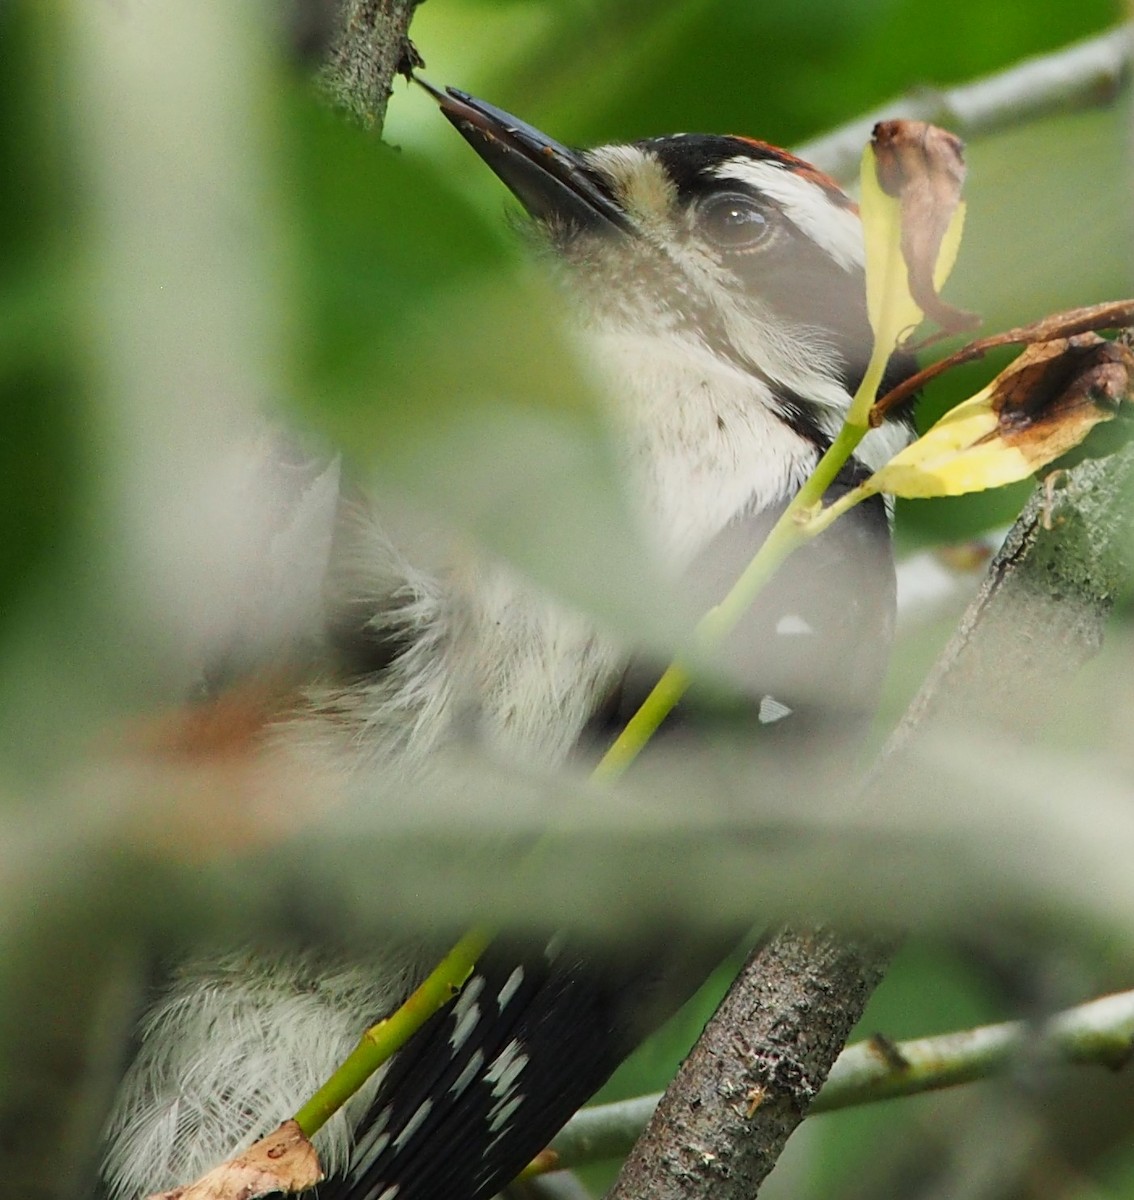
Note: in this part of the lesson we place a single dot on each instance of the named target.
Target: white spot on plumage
(371, 1145)
(793, 625)
(370, 1157)
(466, 1012)
(509, 989)
(503, 1074)
(470, 1072)
(413, 1124)
(501, 1113)
(391, 1193)
(773, 710)
(466, 1023)
(377, 1127)
(506, 1069)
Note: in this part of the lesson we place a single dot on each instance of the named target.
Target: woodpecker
(715, 285)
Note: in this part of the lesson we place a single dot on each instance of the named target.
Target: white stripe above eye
(835, 229)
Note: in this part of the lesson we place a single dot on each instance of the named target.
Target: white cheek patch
(835, 229)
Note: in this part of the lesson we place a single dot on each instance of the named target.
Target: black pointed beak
(550, 180)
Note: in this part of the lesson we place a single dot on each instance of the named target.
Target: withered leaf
(1037, 409)
(923, 167)
(284, 1161)
(1057, 391)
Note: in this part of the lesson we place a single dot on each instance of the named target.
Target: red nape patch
(228, 727)
(800, 166)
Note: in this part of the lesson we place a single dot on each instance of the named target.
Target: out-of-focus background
(186, 237)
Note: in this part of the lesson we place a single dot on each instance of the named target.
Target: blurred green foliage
(603, 70)
(39, 457)
(407, 308)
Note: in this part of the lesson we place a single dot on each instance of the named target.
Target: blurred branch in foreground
(1089, 73)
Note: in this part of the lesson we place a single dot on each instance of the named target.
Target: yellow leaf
(961, 453)
(1042, 405)
(890, 307)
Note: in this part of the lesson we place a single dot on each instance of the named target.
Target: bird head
(738, 247)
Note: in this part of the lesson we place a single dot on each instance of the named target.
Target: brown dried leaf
(1056, 391)
(923, 167)
(1032, 413)
(284, 1161)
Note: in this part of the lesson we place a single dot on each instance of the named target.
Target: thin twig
(1100, 1032)
(1110, 315)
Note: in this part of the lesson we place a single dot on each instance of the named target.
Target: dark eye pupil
(734, 222)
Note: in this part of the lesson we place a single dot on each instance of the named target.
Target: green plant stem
(389, 1035)
(858, 415)
(643, 724)
(796, 525)
(800, 521)
(814, 525)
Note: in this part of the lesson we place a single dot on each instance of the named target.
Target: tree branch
(1040, 615)
(724, 1120)
(749, 1081)
(1100, 1033)
(368, 47)
(1089, 73)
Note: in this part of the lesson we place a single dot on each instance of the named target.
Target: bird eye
(734, 221)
